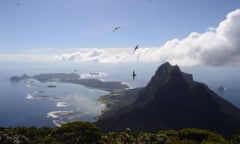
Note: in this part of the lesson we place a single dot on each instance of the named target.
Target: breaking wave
(62, 104)
(57, 114)
(38, 97)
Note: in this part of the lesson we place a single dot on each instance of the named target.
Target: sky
(184, 32)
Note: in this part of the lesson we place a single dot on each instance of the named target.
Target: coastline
(50, 82)
(109, 86)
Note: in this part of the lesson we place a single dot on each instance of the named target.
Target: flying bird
(18, 4)
(116, 28)
(134, 75)
(136, 47)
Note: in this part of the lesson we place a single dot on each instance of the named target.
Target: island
(19, 78)
(110, 86)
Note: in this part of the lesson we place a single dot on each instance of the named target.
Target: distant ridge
(173, 100)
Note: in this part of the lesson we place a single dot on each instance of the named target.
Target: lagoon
(32, 103)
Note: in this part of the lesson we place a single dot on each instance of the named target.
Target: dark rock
(57, 77)
(19, 78)
(173, 100)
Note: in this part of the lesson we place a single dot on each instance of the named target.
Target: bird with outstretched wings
(116, 28)
(136, 47)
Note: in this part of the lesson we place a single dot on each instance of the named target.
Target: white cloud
(215, 47)
(103, 55)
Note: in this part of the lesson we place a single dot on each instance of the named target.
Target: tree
(78, 133)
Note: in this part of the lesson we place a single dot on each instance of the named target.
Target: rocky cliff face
(173, 100)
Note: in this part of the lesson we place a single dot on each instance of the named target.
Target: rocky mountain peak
(173, 100)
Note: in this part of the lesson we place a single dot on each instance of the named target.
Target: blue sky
(89, 23)
(40, 26)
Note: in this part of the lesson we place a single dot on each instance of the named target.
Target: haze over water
(32, 103)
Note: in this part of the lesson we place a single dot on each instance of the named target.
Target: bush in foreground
(88, 133)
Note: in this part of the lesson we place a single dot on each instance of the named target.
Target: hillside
(173, 100)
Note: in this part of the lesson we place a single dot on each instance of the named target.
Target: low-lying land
(74, 78)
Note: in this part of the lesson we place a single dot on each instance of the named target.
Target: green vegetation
(171, 100)
(110, 86)
(88, 133)
(117, 100)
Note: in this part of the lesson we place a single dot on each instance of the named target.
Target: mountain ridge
(173, 100)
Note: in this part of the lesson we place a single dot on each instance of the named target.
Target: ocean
(32, 103)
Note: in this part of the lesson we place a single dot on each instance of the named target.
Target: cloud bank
(219, 46)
